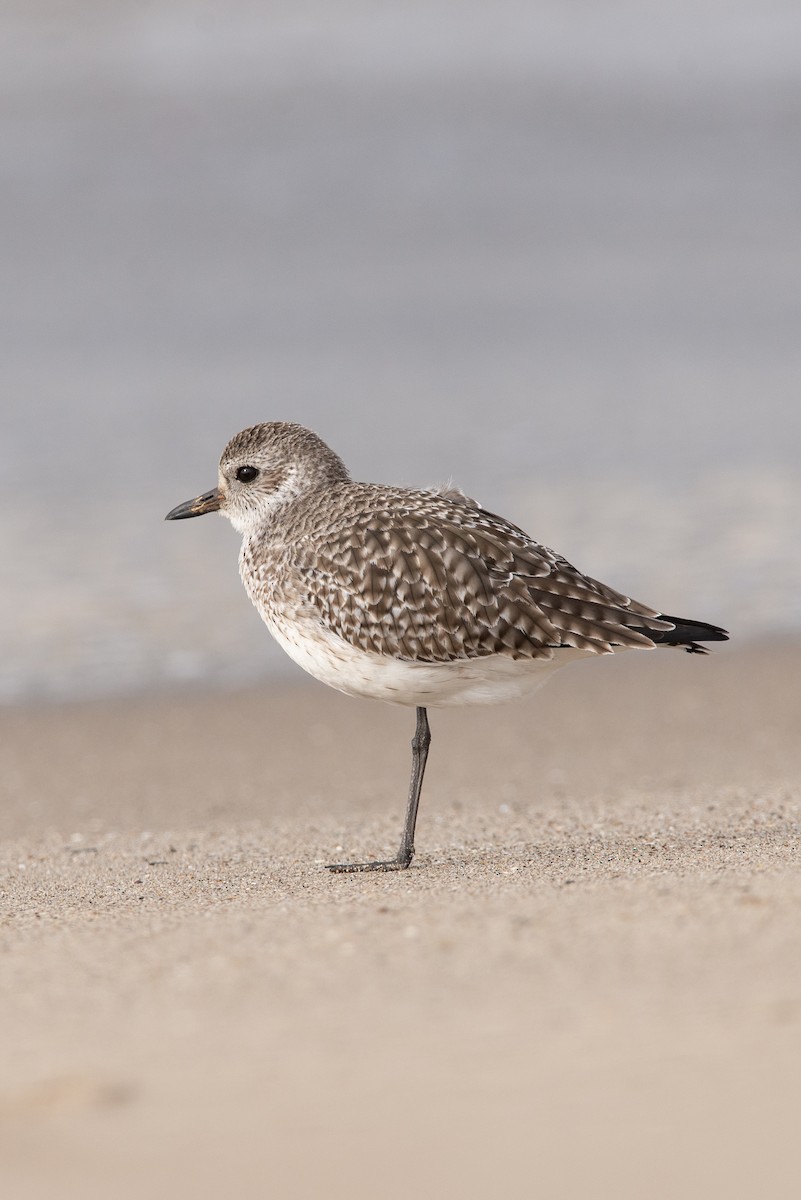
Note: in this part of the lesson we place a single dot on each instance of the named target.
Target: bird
(416, 597)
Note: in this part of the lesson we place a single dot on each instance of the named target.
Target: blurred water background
(551, 250)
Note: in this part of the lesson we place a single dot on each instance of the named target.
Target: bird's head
(263, 468)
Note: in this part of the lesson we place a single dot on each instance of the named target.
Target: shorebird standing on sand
(415, 597)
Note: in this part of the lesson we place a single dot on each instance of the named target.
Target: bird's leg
(420, 743)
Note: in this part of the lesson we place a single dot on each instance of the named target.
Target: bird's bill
(208, 502)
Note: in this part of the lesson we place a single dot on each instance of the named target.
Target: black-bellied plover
(420, 598)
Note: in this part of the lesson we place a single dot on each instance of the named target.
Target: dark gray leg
(420, 743)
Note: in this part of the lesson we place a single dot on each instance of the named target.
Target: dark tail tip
(688, 634)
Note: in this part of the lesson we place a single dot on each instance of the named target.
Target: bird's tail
(686, 634)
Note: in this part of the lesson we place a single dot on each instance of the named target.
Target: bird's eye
(246, 474)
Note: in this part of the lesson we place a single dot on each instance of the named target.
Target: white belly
(487, 680)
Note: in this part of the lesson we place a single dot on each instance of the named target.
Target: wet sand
(589, 983)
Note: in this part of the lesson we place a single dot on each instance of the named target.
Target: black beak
(208, 502)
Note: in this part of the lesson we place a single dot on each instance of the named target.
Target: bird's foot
(394, 864)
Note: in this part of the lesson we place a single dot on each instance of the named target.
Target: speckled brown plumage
(420, 576)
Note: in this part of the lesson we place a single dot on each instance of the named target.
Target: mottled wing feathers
(423, 577)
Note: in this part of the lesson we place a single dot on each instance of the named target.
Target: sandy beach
(589, 983)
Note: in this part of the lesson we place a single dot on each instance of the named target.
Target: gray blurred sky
(527, 244)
